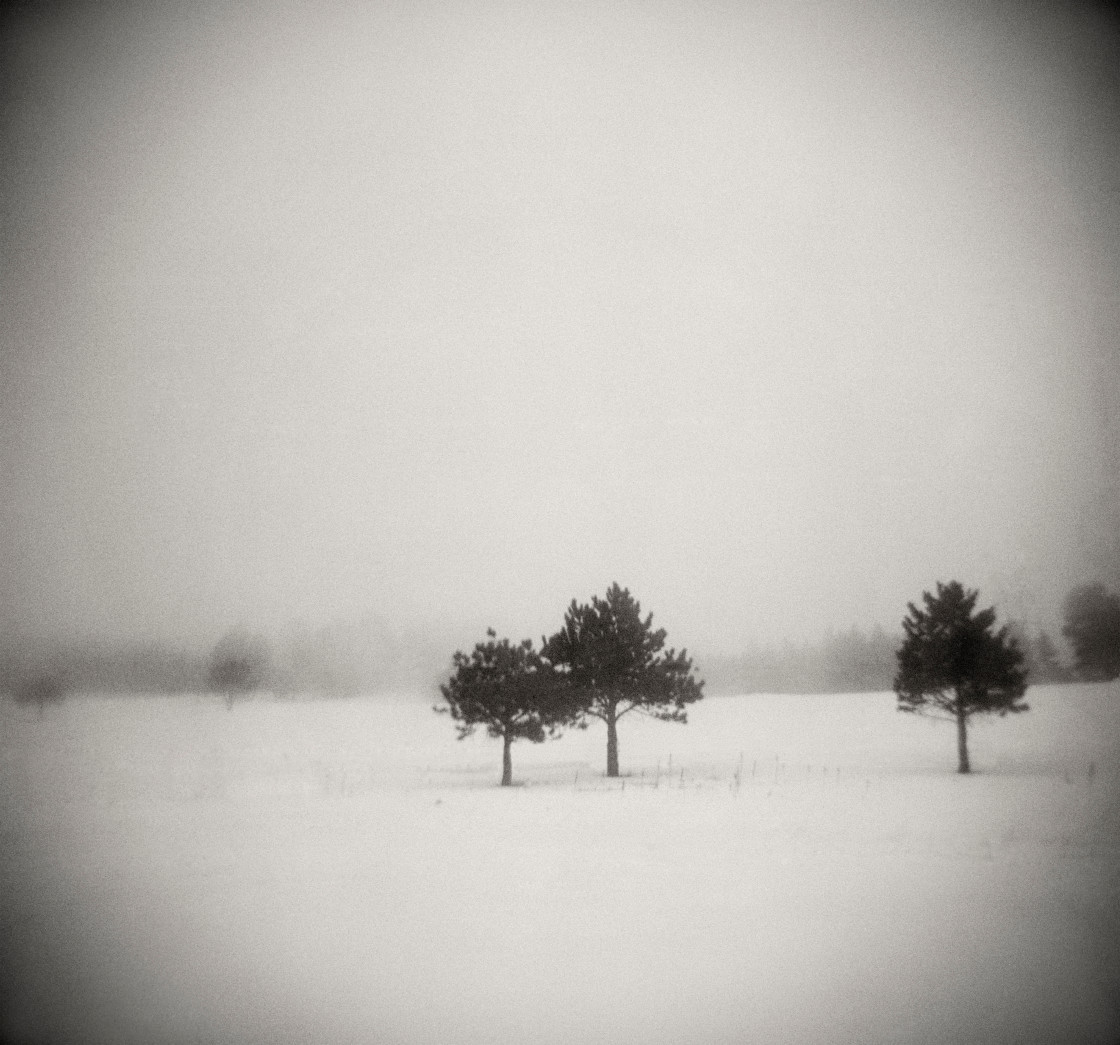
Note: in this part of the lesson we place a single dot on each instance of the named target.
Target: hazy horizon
(453, 313)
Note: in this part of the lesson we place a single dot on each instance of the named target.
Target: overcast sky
(774, 313)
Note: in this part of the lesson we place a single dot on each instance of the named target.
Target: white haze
(774, 313)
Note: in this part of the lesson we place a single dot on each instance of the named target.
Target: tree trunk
(962, 740)
(507, 763)
(612, 743)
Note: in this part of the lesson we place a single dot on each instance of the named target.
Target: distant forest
(340, 659)
(369, 656)
(851, 662)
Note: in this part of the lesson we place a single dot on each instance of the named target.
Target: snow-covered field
(782, 869)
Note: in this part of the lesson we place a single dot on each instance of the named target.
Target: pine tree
(511, 690)
(951, 664)
(616, 663)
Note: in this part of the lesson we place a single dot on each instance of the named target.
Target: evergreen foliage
(615, 663)
(509, 689)
(1092, 626)
(951, 664)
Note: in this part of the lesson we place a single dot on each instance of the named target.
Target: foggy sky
(775, 314)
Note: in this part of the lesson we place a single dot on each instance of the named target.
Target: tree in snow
(616, 663)
(41, 690)
(511, 690)
(239, 663)
(952, 664)
(1092, 625)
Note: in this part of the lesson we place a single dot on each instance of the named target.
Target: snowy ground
(783, 869)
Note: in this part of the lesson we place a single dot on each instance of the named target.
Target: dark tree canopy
(234, 672)
(239, 663)
(42, 690)
(509, 689)
(952, 664)
(1092, 626)
(615, 662)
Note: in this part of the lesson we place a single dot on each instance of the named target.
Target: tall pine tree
(616, 663)
(952, 664)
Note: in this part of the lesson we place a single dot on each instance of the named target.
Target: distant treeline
(100, 666)
(339, 659)
(849, 662)
(370, 656)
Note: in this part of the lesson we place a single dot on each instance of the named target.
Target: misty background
(375, 324)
